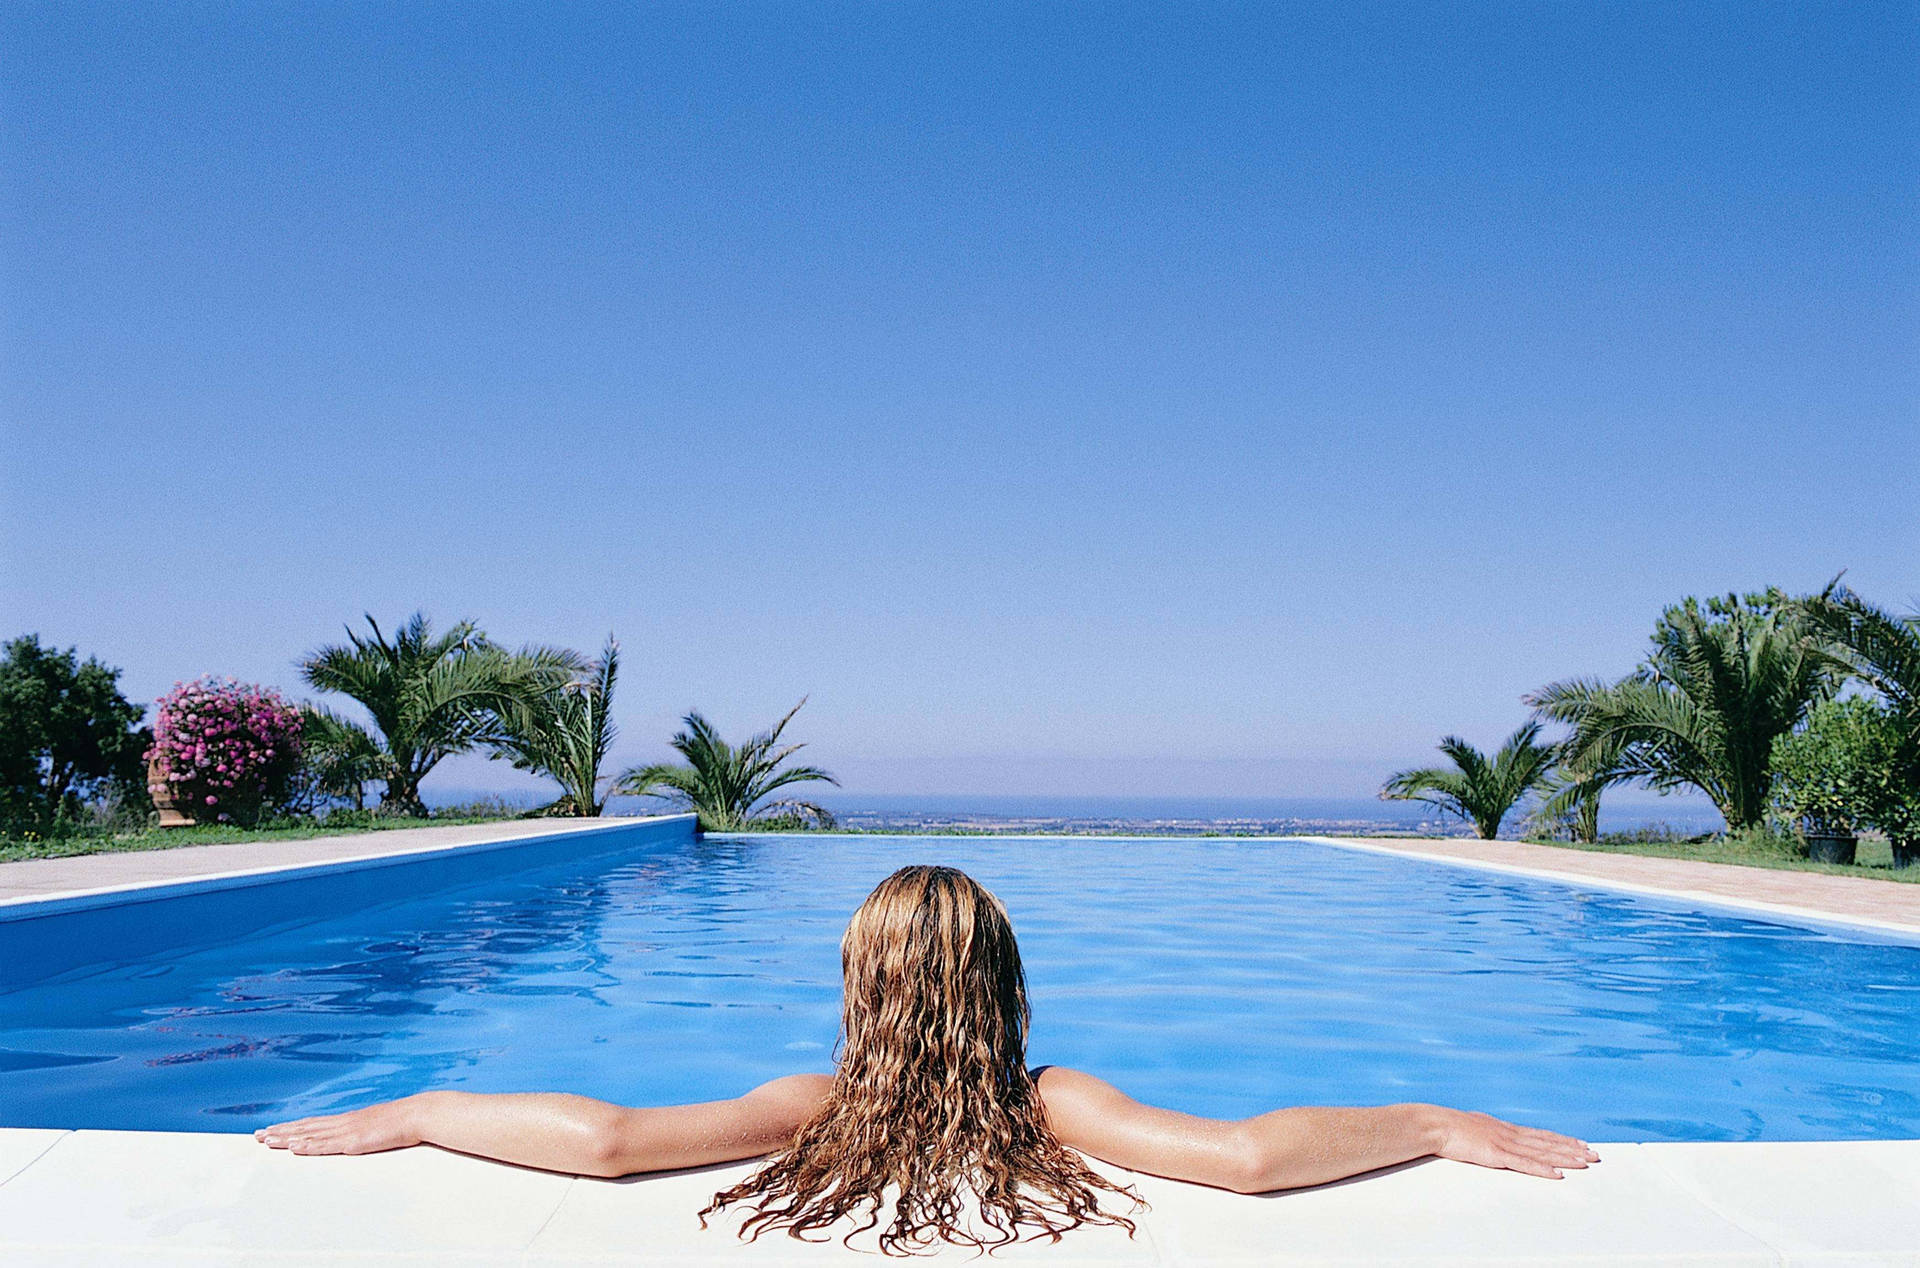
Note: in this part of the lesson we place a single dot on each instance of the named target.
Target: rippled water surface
(1219, 977)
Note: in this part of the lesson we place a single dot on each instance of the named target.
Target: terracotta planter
(171, 816)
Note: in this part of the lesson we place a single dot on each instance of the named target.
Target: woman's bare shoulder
(1064, 1089)
(799, 1092)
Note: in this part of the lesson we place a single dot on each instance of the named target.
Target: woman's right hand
(1487, 1141)
(574, 1135)
(375, 1129)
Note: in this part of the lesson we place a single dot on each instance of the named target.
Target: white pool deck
(113, 1198)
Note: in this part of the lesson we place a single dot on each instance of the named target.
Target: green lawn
(13, 849)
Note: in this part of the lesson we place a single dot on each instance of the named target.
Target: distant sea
(994, 812)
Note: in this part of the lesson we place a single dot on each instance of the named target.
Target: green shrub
(1766, 839)
(492, 806)
(1845, 769)
(358, 817)
(1652, 833)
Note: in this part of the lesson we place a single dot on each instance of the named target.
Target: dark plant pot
(1905, 854)
(1831, 847)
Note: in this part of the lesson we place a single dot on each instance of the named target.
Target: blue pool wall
(51, 937)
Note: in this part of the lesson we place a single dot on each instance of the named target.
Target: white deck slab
(177, 1198)
(1440, 1212)
(29, 880)
(598, 1220)
(22, 1146)
(139, 1192)
(1837, 1203)
(1866, 902)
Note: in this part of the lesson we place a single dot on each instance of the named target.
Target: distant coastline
(1152, 816)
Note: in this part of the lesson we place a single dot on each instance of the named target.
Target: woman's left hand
(389, 1125)
(1487, 1141)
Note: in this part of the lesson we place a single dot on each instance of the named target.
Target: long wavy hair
(932, 1100)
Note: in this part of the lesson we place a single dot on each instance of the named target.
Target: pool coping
(405, 848)
(402, 848)
(100, 1197)
(1817, 917)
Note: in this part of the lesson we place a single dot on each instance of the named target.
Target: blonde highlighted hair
(933, 1100)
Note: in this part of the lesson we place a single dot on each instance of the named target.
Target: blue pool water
(1219, 977)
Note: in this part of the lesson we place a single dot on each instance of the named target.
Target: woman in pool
(934, 1102)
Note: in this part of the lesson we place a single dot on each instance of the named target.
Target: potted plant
(1889, 783)
(223, 752)
(1824, 774)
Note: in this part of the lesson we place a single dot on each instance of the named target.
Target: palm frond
(1877, 646)
(559, 726)
(1722, 681)
(431, 695)
(725, 784)
(1478, 789)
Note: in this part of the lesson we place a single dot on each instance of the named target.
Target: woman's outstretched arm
(1288, 1148)
(560, 1132)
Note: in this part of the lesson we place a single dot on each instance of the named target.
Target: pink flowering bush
(228, 749)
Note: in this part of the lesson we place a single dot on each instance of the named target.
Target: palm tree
(1478, 788)
(430, 695)
(727, 785)
(340, 756)
(564, 733)
(1721, 682)
(1873, 645)
(1570, 793)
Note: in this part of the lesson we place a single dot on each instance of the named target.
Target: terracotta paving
(1817, 893)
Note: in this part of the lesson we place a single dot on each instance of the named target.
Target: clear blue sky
(1085, 398)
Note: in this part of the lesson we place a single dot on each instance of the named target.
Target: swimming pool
(1217, 976)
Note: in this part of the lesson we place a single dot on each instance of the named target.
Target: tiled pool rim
(1906, 931)
(97, 1197)
(1549, 863)
(401, 851)
(44, 936)
(27, 954)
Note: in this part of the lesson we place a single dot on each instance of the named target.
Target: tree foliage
(1874, 645)
(67, 735)
(728, 786)
(1722, 681)
(1841, 771)
(339, 759)
(1569, 806)
(565, 732)
(431, 695)
(1478, 788)
(1881, 650)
